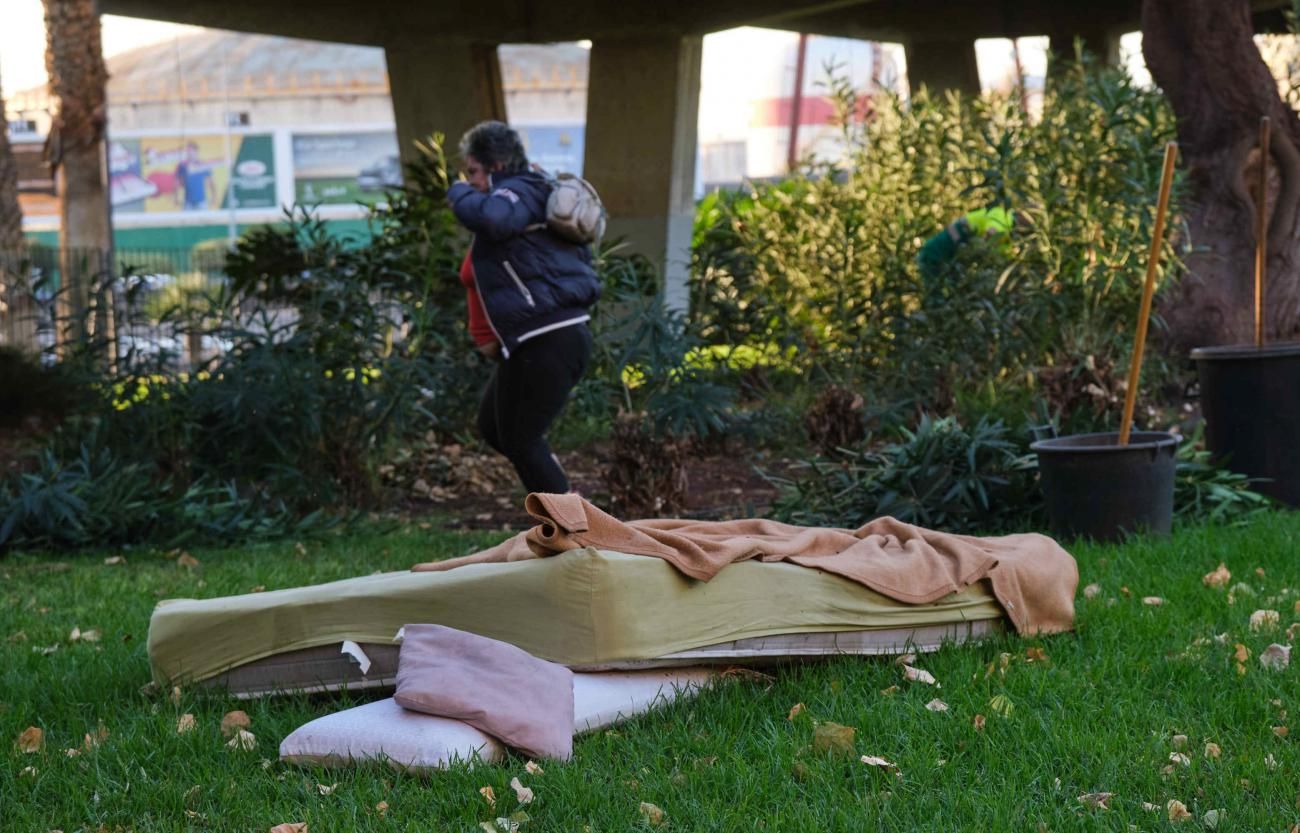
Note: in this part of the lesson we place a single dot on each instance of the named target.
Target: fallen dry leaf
(918, 675)
(905, 659)
(187, 561)
(185, 724)
(891, 691)
(290, 827)
(1179, 741)
(1219, 578)
(937, 705)
(1264, 620)
(1001, 704)
(244, 740)
(28, 772)
(522, 794)
(872, 760)
(176, 695)
(72, 753)
(1259, 571)
(1270, 762)
(652, 814)
(1092, 591)
(94, 739)
(978, 722)
(1212, 750)
(1276, 657)
(31, 740)
(1281, 731)
(1124, 591)
(1153, 601)
(1179, 758)
(1035, 655)
(381, 808)
(1148, 806)
(532, 768)
(795, 711)
(1211, 818)
(489, 795)
(326, 790)
(1096, 801)
(1291, 631)
(1177, 810)
(234, 722)
(739, 672)
(834, 738)
(115, 560)
(1241, 654)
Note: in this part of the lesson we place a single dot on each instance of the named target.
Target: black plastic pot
(1098, 489)
(1250, 397)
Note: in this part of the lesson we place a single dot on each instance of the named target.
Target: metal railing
(54, 299)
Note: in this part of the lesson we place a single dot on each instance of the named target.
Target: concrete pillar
(443, 86)
(1101, 43)
(643, 101)
(943, 65)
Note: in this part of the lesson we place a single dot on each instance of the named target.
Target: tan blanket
(1031, 575)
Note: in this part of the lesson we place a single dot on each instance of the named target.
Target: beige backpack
(574, 210)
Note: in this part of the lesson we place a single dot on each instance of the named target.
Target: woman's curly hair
(493, 142)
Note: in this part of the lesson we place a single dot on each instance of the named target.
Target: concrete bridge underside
(644, 76)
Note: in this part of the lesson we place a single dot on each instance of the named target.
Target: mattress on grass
(587, 609)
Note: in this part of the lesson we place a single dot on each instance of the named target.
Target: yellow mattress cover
(583, 607)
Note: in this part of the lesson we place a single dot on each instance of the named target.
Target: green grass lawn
(1099, 710)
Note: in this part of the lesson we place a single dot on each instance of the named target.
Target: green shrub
(940, 476)
(95, 499)
(30, 391)
(1205, 491)
(826, 261)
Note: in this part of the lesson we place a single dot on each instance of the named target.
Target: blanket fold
(1032, 577)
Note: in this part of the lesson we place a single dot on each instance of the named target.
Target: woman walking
(529, 294)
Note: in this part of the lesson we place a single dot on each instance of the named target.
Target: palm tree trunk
(75, 63)
(15, 301)
(1203, 56)
(11, 215)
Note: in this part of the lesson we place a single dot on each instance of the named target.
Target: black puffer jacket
(531, 281)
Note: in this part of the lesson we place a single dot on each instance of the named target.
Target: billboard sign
(348, 168)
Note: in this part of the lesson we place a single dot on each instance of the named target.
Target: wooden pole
(1261, 231)
(1148, 291)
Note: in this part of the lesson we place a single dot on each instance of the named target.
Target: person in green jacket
(939, 251)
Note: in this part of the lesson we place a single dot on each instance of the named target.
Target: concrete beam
(446, 86)
(643, 101)
(503, 21)
(943, 65)
(905, 21)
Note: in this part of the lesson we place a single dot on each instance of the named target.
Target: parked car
(384, 173)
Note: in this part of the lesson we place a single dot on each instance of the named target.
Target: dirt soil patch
(720, 487)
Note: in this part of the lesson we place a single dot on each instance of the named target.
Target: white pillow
(602, 698)
(383, 730)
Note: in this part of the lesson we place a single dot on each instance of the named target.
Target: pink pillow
(504, 691)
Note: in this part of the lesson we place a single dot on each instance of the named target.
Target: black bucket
(1250, 397)
(1097, 488)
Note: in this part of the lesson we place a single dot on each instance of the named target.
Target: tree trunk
(11, 215)
(1203, 55)
(75, 63)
